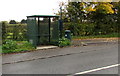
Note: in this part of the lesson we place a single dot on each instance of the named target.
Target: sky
(19, 9)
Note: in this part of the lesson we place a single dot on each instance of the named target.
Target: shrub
(11, 46)
(64, 42)
(23, 46)
(80, 29)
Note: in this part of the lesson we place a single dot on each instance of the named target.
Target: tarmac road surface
(70, 64)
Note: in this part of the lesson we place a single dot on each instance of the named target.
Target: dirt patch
(93, 41)
(116, 38)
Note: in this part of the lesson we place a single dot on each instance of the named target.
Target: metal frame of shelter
(43, 29)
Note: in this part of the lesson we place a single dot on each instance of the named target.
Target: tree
(117, 7)
(12, 22)
(23, 21)
(102, 16)
(75, 11)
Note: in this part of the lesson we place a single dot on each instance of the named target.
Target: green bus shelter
(43, 29)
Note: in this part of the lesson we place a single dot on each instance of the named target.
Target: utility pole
(60, 12)
(61, 22)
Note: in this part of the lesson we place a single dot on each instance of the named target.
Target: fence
(14, 31)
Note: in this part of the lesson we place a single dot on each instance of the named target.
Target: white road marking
(84, 72)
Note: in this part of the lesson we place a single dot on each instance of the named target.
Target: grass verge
(11, 46)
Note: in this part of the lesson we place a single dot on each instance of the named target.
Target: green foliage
(80, 29)
(92, 18)
(11, 46)
(0, 48)
(75, 12)
(14, 31)
(64, 42)
(4, 23)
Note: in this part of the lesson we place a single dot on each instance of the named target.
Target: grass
(11, 46)
(0, 49)
(97, 36)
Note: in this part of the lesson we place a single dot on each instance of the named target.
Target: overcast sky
(19, 9)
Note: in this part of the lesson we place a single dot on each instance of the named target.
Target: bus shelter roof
(43, 16)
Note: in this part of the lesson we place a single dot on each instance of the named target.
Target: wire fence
(14, 31)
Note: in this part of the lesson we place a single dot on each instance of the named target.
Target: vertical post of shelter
(49, 29)
(38, 30)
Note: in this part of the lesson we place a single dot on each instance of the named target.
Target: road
(70, 64)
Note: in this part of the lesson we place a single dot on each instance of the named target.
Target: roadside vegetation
(86, 19)
(64, 42)
(10, 46)
(14, 38)
(0, 46)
